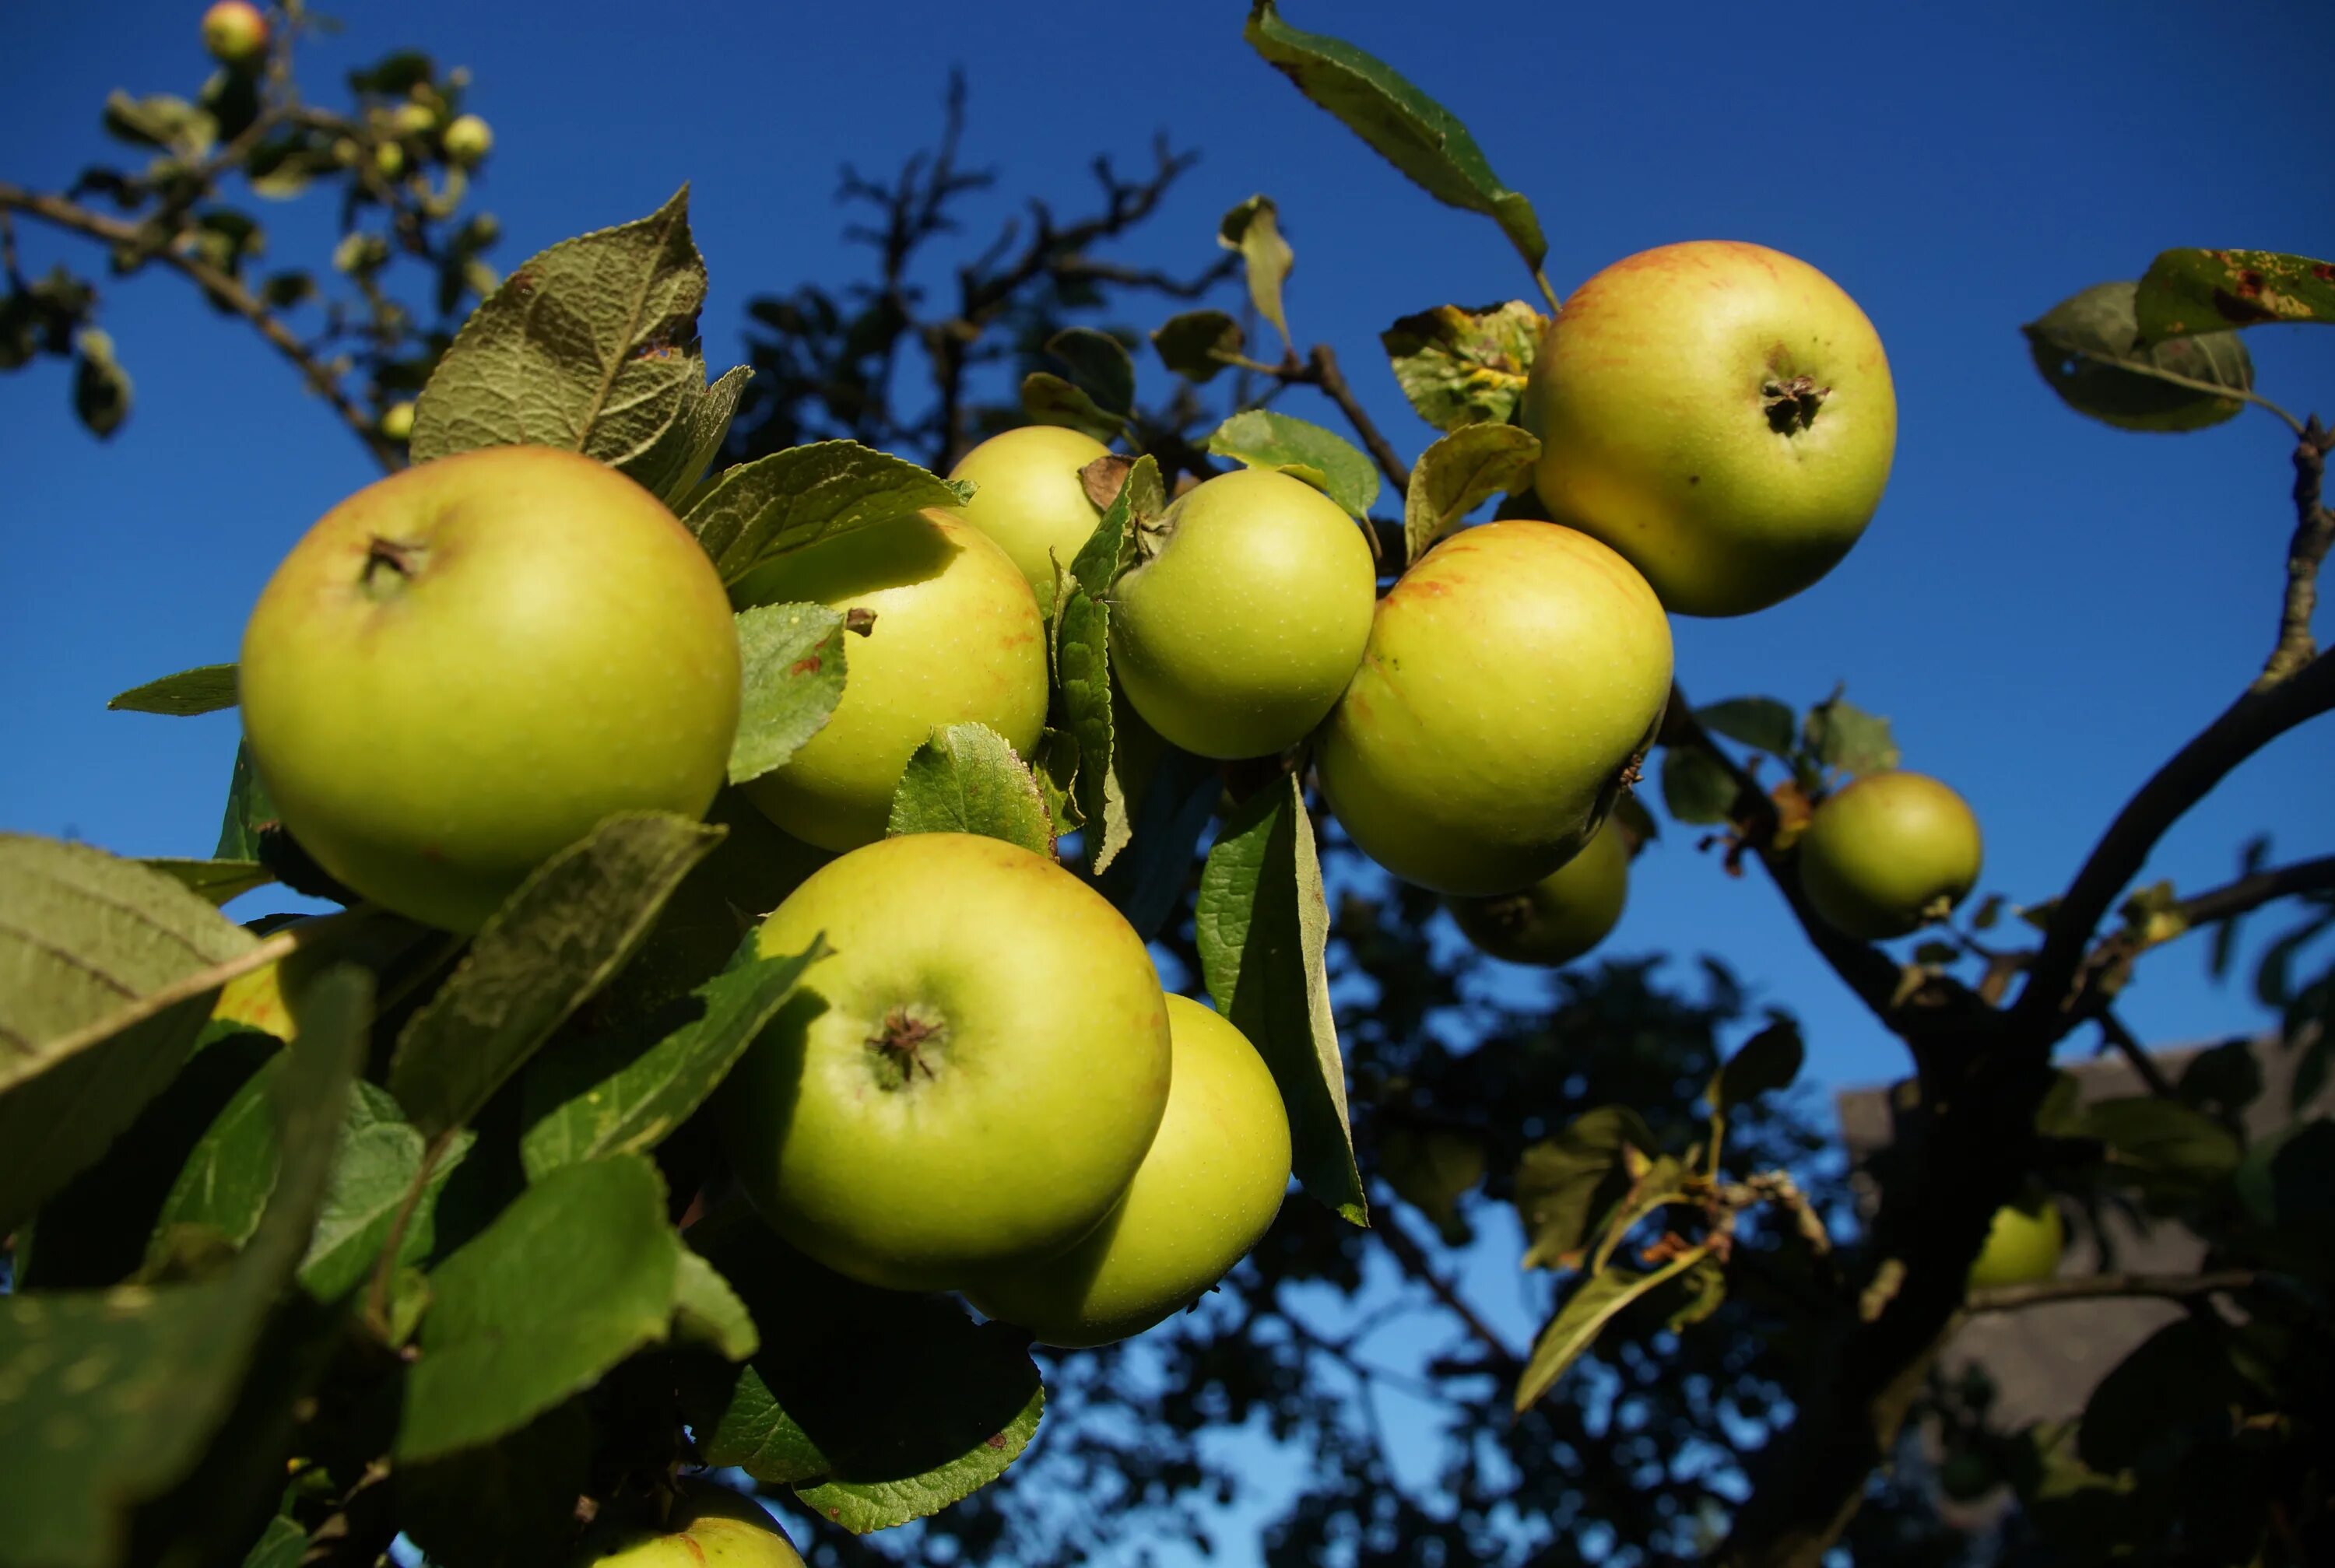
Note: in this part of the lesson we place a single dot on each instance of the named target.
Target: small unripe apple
(1558, 918)
(1721, 414)
(1029, 499)
(710, 1526)
(2024, 1245)
(468, 141)
(390, 158)
(397, 421)
(1245, 614)
(1888, 853)
(236, 34)
(1206, 1192)
(956, 639)
(1513, 681)
(412, 118)
(463, 668)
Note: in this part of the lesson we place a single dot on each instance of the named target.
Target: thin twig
(2136, 1055)
(2094, 1287)
(2314, 531)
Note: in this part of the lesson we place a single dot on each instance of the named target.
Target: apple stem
(1792, 404)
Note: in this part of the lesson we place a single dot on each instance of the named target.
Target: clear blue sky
(2044, 607)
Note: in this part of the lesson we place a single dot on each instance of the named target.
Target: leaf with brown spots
(2188, 291)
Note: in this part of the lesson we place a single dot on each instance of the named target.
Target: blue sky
(2044, 607)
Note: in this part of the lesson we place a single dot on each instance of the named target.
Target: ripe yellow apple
(1514, 680)
(397, 421)
(2022, 1246)
(1721, 414)
(1029, 499)
(710, 1526)
(1246, 616)
(1206, 1192)
(468, 141)
(236, 34)
(1558, 918)
(1887, 853)
(972, 1076)
(956, 639)
(463, 668)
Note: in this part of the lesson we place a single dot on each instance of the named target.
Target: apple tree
(511, 1205)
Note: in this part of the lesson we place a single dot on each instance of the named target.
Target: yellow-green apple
(397, 421)
(972, 1076)
(2024, 1245)
(956, 639)
(1887, 853)
(468, 141)
(1244, 615)
(1721, 414)
(1205, 1193)
(1514, 680)
(236, 34)
(1558, 918)
(464, 667)
(1029, 496)
(710, 1526)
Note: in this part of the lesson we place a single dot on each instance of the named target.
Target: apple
(1245, 614)
(2023, 1244)
(972, 1075)
(468, 141)
(464, 667)
(956, 639)
(1719, 412)
(390, 158)
(234, 32)
(1558, 918)
(710, 1526)
(1515, 678)
(1208, 1189)
(397, 421)
(1887, 853)
(1030, 497)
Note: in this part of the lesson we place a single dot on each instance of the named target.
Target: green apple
(1204, 1194)
(1246, 616)
(236, 34)
(1029, 499)
(390, 158)
(1515, 678)
(412, 119)
(1888, 853)
(973, 1076)
(956, 639)
(468, 141)
(2023, 1244)
(710, 1526)
(1721, 414)
(397, 421)
(464, 667)
(1558, 918)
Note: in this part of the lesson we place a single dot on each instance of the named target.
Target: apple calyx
(859, 619)
(391, 564)
(901, 1045)
(1791, 405)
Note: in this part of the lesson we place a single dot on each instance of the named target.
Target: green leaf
(160, 120)
(1099, 367)
(805, 494)
(2188, 291)
(1768, 1061)
(1169, 806)
(2161, 1144)
(2177, 1382)
(1465, 367)
(706, 1311)
(967, 778)
(795, 662)
(1761, 723)
(100, 387)
(1048, 399)
(1457, 474)
(577, 1273)
(572, 923)
(96, 1008)
(1593, 1304)
(1254, 229)
(1056, 766)
(876, 1407)
(1566, 1186)
(624, 1090)
(218, 881)
(1409, 130)
(2089, 348)
(1082, 675)
(249, 809)
(1848, 738)
(590, 345)
(108, 1398)
(1111, 548)
(1262, 927)
(1432, 1169)
(670, 469)
(1188, 344)
(205, 689)
(1697, 789)
(1261, 439)
(281, 1546)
